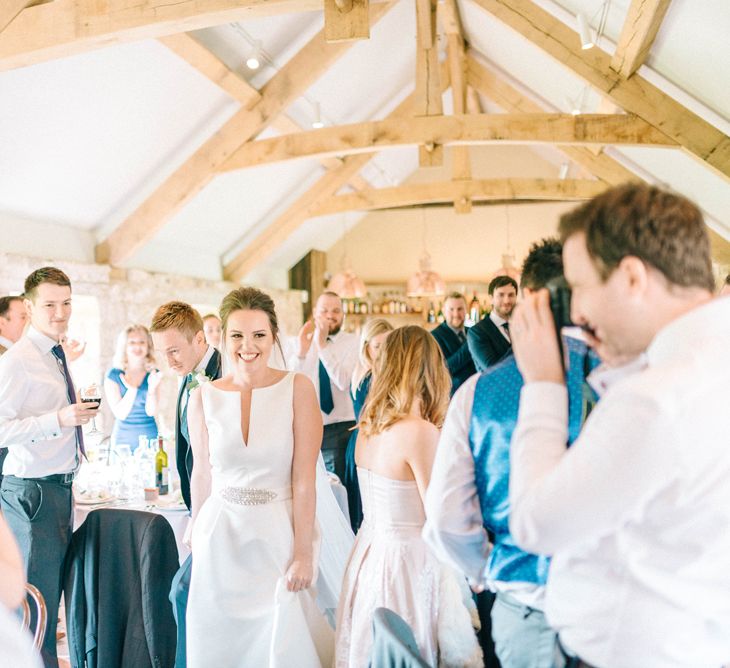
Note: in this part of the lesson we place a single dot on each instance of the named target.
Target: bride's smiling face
(249, 339)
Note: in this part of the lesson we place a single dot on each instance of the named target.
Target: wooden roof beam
(10, 10)
(346, 20)
(428, 87)
(497, 89)
(636, 95)
(66, 27)
(464, 129)
(474, 190)
(456, 57)
(195, 173)
(642, 24)
(211, 67)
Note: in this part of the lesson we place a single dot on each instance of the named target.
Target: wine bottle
(162, 471)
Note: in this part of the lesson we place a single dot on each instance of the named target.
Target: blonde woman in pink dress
(390, 565)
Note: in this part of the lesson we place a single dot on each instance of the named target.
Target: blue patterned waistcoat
(493, 421)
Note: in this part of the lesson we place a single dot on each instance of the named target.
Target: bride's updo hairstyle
(410, 365)
(249, 299)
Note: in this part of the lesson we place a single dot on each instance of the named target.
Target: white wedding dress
(239, 612)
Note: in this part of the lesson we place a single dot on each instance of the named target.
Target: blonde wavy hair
(410, 366)
(370, 330)
(120, 352)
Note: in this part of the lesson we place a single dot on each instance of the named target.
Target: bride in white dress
(255, 435)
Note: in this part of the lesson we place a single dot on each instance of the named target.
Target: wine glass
(91, 393)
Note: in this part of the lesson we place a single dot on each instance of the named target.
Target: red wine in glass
(91, 394)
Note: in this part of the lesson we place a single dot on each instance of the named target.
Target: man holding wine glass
(40, 425)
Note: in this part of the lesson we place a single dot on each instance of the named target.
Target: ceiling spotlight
(564, 168)
(253, 62)
(584, 30)
(317, 122)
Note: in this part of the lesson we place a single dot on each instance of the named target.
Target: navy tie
(326, 402)
(58, 353)
(505, 327)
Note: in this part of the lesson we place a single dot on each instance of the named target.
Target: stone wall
(120, 297)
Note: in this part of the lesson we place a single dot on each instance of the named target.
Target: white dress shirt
(338, 357)
(500, 322)
(32, 391)
(454, 524)
(637, 513)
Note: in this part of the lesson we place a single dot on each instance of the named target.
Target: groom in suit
(13, 319)
(489, 339)
(177, 332)
(451, 337)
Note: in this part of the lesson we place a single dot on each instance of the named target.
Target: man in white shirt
(13, 318)
(636, 514)
(328, 355)
(40, 426)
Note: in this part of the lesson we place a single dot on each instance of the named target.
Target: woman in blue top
(372, 338)
(132, 387)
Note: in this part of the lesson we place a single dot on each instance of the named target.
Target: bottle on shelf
(440, 315)
(385, 304)
(431, 317)
(474, 309)
(162, 472)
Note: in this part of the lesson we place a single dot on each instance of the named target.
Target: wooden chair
(41, 614)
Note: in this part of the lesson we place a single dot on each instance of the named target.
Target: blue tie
(184, 416)
(325, 390)
(58, 353)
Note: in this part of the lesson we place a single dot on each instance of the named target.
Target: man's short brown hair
(5, 303)
(500, 282)
(44, 275)
(455, 295)
(179, 316)
(663, 229)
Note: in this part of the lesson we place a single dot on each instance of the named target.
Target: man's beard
(335, 329)
(505, 315)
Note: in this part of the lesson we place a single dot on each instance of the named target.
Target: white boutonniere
(199, 378)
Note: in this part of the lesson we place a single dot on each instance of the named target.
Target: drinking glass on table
(88, 394)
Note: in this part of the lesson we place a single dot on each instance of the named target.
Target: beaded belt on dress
(253, 496)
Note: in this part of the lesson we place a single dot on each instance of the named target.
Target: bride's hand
(299, 574)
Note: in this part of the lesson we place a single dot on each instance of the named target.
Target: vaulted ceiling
(132, 131)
